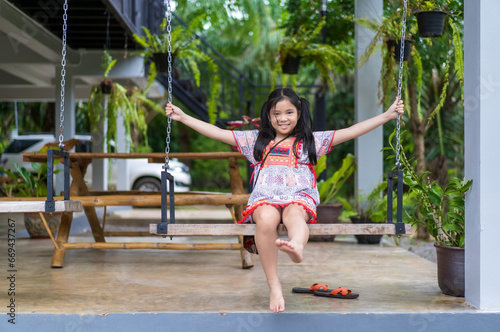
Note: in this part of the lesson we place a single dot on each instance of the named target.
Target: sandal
(340, 293)
(310, 290)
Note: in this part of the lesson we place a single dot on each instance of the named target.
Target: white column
(69, 116)
(369, 159)
(482, 158)
(121, 166)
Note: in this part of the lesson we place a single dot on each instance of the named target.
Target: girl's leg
(267, 219)
(295, 220)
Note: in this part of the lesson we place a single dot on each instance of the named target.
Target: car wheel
(147, 184)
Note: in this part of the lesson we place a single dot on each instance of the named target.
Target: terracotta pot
(36, 228)
(291, 65)
(430, 23)
(451, 270)
(327, 214)
(366, 239)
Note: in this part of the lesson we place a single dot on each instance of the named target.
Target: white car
(143, 175)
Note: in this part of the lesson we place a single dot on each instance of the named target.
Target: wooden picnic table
(79, 162)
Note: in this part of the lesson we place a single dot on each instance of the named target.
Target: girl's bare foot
(277, 302)
(294, 251)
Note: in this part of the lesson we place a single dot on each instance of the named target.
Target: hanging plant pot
(392, 44)
(451, 270)
(366, 239)
(291, 65)
(106, 86)
(161, 61)
(430, 23)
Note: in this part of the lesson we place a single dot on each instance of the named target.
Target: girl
(283, 153)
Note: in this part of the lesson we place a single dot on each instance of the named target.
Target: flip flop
(340, 293)
(310, 290)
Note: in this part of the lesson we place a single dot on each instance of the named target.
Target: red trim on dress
(250, 210)
(236, 141)
(330, 146)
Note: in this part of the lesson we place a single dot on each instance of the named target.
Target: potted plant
(388, 31)
(300, 47)
(25, 184)
(184, 45)
(186, 53)
(329, 209)
(367, 209)
(440, 208)
(430, 18)
(107, 103)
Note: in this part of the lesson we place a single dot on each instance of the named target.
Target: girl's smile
(284, 118)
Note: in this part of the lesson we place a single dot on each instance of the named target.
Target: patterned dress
(283, 179)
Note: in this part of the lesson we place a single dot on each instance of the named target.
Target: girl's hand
(395, 108)
(174, 112)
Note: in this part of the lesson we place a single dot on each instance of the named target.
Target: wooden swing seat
(249, 229)
(34, 204)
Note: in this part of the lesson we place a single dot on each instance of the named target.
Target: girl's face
(284, 118)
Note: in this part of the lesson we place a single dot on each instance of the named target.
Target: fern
(442, 97)
(417, 63)
(459, 56)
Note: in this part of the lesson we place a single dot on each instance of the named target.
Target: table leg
(237, 188)
(79, 188)
(62, 238)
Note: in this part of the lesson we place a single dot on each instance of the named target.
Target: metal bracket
(162, 226)
(400, 225)
(50, 203)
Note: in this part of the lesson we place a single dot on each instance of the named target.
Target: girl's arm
(202, 127)
(368, 125)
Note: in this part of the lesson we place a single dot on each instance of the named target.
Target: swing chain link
(63, 74)
(400, 83)
(169, 99)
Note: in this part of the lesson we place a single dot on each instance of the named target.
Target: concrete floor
(389, 279)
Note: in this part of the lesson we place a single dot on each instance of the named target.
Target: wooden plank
(152, 245)
(156, 157)
(155, 200)
(249, 229)
(36, 205)
(145, 200)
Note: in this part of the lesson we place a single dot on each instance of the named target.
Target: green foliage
(183, 40)
(326, 58)
(439, 208)
(431, 5)
(329, 188)
(209, 174)
(26, 184)
(372, 206)
(132, 103)
(185, 52)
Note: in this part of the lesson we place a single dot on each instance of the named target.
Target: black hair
(303, 131)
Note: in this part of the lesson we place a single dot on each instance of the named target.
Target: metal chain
(63, 75)
(400, 83)
(169, 99)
